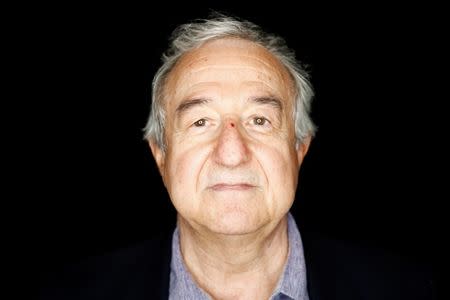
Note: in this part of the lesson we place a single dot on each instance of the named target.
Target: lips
(231, 187)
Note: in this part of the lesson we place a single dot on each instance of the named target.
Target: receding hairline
(193, 35)
(183, 62)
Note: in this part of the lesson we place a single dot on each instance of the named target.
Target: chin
(234, 222)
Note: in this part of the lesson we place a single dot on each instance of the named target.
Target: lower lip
(231, 187)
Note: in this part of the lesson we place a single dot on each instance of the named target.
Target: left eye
(200, 123)
(260, 121)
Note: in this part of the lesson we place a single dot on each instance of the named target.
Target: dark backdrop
(372, 174)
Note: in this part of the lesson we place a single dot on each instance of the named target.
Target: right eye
(200, 123)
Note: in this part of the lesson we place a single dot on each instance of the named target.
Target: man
(236, 130)
(229, 129)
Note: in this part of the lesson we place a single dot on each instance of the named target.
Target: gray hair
(190, 36)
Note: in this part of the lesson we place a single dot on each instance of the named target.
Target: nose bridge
(231, 147)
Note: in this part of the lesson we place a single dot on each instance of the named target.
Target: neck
(227, 266)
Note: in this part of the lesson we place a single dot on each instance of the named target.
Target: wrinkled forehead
(229, 60)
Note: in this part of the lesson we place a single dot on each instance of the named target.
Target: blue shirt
(291, 285)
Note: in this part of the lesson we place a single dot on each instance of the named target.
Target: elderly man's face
(231, 164)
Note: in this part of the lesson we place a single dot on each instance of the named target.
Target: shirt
(291, 285)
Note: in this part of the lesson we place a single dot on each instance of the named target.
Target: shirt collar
(182, 286)
(291, 284)
(293, 280)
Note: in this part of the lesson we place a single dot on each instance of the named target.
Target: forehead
(232, 64)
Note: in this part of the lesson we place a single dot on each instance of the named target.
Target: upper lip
(234, 185)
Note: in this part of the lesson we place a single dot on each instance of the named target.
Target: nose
(231, 148)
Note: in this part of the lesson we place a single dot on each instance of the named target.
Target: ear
(158, 154)
(302, 149)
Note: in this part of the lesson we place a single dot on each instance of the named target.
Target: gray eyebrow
(186, 105)
(273, 101)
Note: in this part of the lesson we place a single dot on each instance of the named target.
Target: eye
(200, 123)
(260, 121)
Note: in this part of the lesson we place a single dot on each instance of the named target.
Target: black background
(374, 173)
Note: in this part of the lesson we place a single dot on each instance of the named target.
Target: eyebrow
(189, 103)
(273, 101)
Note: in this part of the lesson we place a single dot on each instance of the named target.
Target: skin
(231, 165)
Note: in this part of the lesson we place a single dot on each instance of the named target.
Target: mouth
(231, 187)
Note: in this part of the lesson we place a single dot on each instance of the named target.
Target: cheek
(279, 163)
(184, 168)
(281, 172)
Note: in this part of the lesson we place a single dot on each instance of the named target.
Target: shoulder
(340, 269)
(135, 272)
